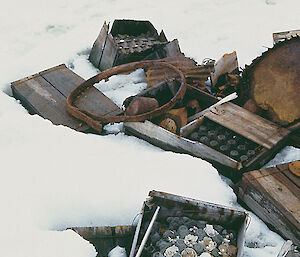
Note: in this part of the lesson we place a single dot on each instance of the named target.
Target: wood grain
(247, 124)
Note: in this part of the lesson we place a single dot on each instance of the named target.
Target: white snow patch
(53, 177)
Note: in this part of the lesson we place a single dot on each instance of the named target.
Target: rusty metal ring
(93, 120)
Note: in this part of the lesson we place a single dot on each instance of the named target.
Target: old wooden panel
(45, 93)
(275, 198)
(167, 140)
(41, 98)
(106, 238)
(90, 102)
(98, 46)
(109, 53)
(247, 124)
(279, 36)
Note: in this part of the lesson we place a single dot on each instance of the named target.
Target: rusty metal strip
(96, 121)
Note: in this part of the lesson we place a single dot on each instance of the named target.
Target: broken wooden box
(171, 224)
(228, 134)
(130, 41)
(273, 194)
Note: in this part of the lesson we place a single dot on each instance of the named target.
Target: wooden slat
(47, 102)
(247, 124)
(63, 79)
(282, 194)
(92, 101)
(274, 198)
(96, 52)
(167, 140)
(279, 36)
(45, 94)
(96, 102)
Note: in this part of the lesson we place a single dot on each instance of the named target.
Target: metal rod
(147, 233)
(222, 101)
(137, 231)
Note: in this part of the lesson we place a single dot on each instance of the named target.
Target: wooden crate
(268, 137)
(274, 195)
(106, 238)
(45, 94)
(171, 205)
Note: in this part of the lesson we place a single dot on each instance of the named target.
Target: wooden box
(265, 137)
(168, 205)
(130, 41)
(273, 194)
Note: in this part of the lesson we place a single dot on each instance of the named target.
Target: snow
(53, 177)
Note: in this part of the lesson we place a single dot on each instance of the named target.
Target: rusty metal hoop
(94, 121)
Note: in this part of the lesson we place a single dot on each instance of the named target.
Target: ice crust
(53, 178)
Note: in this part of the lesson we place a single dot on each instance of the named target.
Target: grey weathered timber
(254, 127)
(169, 141)
(106, 238)
(274, 195)
(269, 137)
(45, 94)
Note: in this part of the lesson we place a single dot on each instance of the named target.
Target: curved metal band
(93, 120)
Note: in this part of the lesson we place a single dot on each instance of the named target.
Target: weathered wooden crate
(274, 195)
(106, 238)
(170, 205)
(130, 41)
(45, 94)
(265, 137)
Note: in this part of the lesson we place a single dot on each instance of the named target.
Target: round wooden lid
(294, 167)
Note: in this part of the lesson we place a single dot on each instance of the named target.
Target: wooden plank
(63, 79)
(247, 124)
(45, 94)
(263, 208)
(279, 36)
(98, 46)
(109, 53)
(284, 168)
(95, 102)
(274, 198)
(283, 194)
(46, 101)
(167, 140)
(92, 101)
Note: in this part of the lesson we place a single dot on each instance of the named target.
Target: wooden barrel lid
(294, 167)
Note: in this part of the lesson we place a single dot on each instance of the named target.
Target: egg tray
(225, 141)
(135, 44)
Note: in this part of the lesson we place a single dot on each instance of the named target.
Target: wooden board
(45, 93)
(106, 238)
(279, 36)
(98, 46)
(274, 195)
(169, 141)
(247, 124)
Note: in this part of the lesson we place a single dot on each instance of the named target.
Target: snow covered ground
(53, 177)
